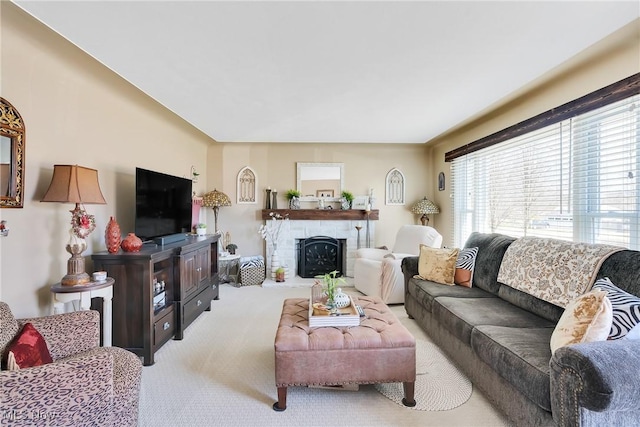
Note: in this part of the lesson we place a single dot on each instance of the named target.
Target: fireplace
(306, 223)
(319, 255)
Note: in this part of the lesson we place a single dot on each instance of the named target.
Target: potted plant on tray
(331, 282)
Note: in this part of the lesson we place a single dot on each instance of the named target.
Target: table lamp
(214, 199)
(425, 207)
(79, 185)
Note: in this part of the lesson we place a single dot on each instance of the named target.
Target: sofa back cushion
(530, 303)
(8, 327)
(491, 249)
(623, 268)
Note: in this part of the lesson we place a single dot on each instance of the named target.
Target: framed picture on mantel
(360, 202)
(324, 193)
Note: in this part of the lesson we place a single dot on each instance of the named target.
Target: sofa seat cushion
(520, 356)
(460, 315)
(425, 291)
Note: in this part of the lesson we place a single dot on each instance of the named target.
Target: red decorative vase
(112, 236)
(131, 243)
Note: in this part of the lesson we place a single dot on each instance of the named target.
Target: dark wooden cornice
(601, 97)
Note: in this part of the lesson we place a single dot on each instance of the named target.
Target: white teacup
(99, 276)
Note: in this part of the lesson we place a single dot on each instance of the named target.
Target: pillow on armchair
(27, 349)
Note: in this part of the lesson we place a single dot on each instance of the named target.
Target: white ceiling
(319, 71)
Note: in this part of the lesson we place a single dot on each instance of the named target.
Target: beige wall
(365, 167)
(76, 112)
(610, 60)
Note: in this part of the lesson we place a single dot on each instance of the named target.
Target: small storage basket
(252, 270)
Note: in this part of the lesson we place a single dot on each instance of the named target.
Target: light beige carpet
(440, 386)
(222, 374)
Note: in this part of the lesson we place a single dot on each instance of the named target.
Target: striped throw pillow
(464, 266)
(626, 310)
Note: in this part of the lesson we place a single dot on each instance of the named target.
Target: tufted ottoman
(380, 350)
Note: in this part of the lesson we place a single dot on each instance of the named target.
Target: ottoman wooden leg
(409, 388)
(281, 404)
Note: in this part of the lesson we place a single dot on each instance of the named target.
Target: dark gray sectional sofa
(500, 338)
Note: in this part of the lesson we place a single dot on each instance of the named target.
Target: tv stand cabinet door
(188, 277)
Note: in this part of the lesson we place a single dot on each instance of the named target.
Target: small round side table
(83, 294)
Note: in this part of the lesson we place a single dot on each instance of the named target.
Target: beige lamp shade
(214, 199)
(425, 207)
(74, 184)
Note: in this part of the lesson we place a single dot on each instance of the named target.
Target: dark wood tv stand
(189, 271)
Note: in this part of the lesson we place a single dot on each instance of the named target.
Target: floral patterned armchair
(84, 385)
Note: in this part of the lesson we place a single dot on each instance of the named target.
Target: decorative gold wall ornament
(12, 151)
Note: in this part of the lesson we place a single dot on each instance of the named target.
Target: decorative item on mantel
(293, 196)
(268, 198)
(214, 199)
(347, 198)
(113, 236)
(274, 203)
(79, 185)
(425, 207)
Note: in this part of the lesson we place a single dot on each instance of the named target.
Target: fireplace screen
(320, 255)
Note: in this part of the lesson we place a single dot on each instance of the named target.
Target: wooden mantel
(323, 214)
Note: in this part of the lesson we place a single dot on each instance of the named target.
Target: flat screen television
(163, 205)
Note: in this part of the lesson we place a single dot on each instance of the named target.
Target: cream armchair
(378, 272)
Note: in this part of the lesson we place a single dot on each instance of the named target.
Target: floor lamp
(214, 199)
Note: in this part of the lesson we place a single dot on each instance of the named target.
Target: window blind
(576, 179)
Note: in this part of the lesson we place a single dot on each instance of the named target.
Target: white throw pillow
(587, 318)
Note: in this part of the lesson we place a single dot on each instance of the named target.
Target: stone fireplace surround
(337, 224)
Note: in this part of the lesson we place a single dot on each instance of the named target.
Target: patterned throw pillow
(437, 265)
(464, 266)
(585, 319)
(626, 311)
(27, 349)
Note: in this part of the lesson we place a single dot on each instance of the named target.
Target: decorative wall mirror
(320, 180)
(12, 146)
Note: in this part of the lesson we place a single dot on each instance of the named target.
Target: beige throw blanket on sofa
(556, 271)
